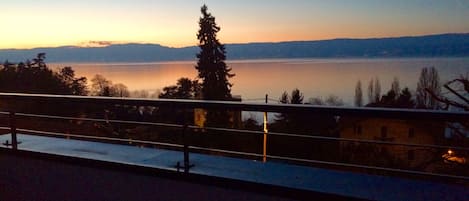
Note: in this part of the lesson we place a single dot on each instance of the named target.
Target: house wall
(397, 131)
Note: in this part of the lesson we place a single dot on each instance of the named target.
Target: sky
(174, 23)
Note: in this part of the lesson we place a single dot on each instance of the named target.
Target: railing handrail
(260, 107)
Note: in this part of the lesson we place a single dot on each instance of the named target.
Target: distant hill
(443, 45)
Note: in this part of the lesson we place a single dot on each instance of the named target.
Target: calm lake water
(255, 78)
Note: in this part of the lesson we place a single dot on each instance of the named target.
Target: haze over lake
(255, 78)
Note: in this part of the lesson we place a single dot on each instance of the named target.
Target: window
(384, 132)
(410, 155)
(411, 132)
(357, 129)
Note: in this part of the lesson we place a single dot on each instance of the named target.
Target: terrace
(52, 153)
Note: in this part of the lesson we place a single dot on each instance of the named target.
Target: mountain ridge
(438, 45)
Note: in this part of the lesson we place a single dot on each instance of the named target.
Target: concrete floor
(354, 185)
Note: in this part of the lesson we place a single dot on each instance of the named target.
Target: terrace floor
(356, 185)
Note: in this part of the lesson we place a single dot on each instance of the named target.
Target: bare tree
(100, 86)
(140, 94)
(377, 90)
(120, 90)
(334, 100)
(316, 101)
(457, 94)
(429, 81)
(395, 86)
(358, 94)
(371, 92)
(331, 100)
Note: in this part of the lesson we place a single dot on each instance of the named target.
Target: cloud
(96, 43)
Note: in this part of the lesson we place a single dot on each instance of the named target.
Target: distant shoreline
(430, 46)
(273, 60)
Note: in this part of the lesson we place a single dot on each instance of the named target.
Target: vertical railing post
(185, 140)
(14, 140)
(186, 148)
(266, 131)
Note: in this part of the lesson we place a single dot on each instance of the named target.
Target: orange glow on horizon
(175, 23)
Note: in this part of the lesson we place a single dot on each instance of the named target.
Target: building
(392, 131)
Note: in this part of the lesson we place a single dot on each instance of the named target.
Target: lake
(255, 78)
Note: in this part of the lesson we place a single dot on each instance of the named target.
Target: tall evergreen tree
(212, 68)
(211, 65)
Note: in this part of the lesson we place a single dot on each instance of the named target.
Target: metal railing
(14, 98)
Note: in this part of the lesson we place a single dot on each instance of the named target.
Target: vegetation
(429, 80)
(395, 86)
(211, 65)
(374, 90)
(394, 98)
(403, 99)
(358, 94)
(285, 119)
(457, 95)
(184, 89)
(35, 77)
(100, 86)
(212, 69)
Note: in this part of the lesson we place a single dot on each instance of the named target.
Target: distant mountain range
(442, 45)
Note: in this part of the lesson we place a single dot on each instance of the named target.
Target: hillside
(443, 45)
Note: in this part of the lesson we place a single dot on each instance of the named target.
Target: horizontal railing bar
(99, 138)
(368, 167)
(249, 132)
(333, 138)
(99, 120)
(261, 107)
(368, 141)
(4, 128)
(225, 151)
(136, 122)
(227, 130)
(4, 113)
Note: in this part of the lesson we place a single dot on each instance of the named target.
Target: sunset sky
(46, 23)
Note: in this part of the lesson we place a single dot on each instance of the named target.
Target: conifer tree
(211, 65)
(212, 69)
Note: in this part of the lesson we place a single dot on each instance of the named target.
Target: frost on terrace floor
(292, 176)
